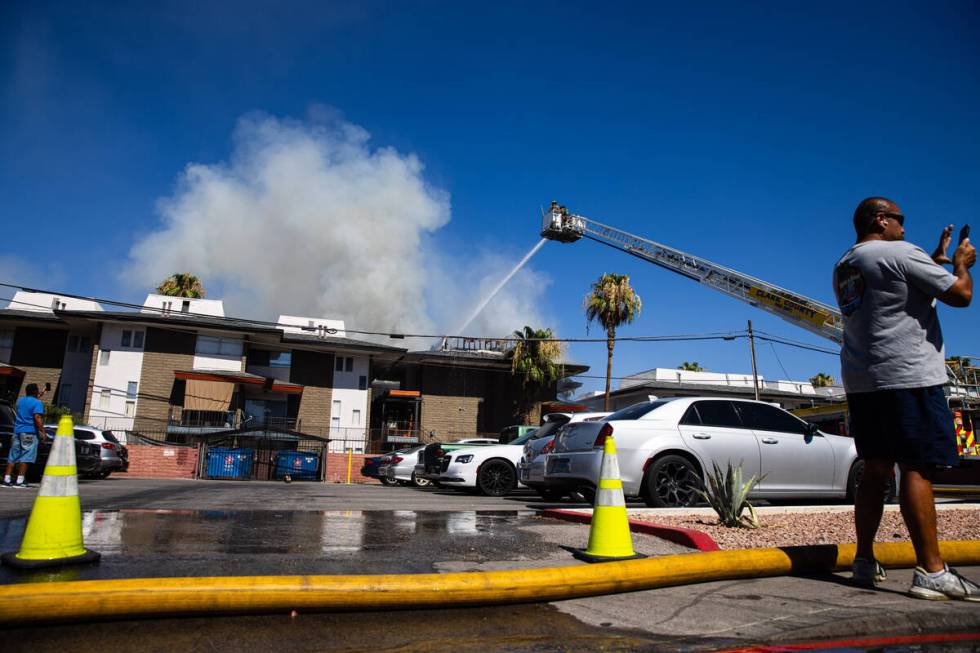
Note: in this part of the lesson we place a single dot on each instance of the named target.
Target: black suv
(87, 455)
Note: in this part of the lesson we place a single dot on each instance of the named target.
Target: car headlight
(468, 458)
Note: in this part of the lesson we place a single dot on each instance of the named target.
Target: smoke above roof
(306, 217)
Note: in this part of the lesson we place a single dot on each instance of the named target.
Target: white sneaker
(867, 573)
(949, 585)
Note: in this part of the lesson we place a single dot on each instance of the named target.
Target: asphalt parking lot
(147, 528)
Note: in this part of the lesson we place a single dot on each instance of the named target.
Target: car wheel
(497, 478)
(671, 483)
(854, 479)
(587, 492)
(103, 474)
(420, 482)
(387, 481)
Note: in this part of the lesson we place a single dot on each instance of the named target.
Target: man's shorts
(23, 448)
(912, 426)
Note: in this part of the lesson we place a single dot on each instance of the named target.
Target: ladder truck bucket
(558, 224)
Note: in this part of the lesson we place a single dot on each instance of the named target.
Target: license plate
(558, 466)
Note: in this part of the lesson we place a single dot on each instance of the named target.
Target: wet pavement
(164, 543)
(168, 528)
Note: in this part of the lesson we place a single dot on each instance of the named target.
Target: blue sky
(742, 132)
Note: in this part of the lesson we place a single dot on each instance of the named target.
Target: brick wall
(164, 352)
(337, 468)
(314, 371)
(91, 372)
(450, 417)
(162, 462)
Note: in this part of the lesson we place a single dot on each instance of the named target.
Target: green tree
(535, 357)
(611, 302)
(182, 284)
(691, 367)
(821, 380)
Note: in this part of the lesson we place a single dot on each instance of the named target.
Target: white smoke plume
(307, 218)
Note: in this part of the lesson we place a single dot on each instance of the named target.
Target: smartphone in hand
(964, 233)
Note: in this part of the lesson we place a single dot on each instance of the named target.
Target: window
(84, 435)
(769, 418)
(104, 357)
(336, 407)
(127, 338)
(691, 416)
(131, 390)
(72, 343)
(362, 383)
(636, 411)
(339, 367)
(718, 413)
(355, 418)
(130, 409)
(349, 365)
(104, 397)
(167, 307)
(185, 306)
(138, 339)
(209, 345)
(64, 394)
(280, 359)
(7, 338)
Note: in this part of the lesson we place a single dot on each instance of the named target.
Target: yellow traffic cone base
(53, 536)
(609, 535)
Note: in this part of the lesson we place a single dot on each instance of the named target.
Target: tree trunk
(610, 343)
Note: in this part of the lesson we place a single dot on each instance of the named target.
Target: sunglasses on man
(897, 217)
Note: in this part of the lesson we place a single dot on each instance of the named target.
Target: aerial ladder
(816, 317)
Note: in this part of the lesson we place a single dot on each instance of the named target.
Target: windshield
(636, 411)
(531, 435)
(547, 429)
(109, 436)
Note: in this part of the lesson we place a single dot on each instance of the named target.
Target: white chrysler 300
(667, 447)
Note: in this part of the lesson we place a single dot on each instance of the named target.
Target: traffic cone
(609, 536)
(53, 535)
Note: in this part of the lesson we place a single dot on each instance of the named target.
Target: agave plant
(726, 494)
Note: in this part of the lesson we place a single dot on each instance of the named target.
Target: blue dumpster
(230, 463)
(299, 465)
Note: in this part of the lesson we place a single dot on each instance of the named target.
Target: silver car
(667, 447)
(400, 468)
(114, 457)
(530, 469)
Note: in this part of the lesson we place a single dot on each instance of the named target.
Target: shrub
(726, 494)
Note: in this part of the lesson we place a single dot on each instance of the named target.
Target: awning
(208, 395)
(244, 378)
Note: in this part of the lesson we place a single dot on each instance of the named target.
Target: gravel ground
(790, 529)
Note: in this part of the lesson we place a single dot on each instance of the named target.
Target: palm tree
(691, 367)
(612, 302)
(534, 356)
(182, 284)
(821, 380)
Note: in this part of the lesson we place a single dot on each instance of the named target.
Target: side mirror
(811, 429)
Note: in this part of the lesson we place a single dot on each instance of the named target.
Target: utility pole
(755, 373)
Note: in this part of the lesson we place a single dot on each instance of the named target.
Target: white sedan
(667, 447)
(492, 470)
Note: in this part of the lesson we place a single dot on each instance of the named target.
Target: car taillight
(108, 445)
(548, 446)
(395, 460)
(604, 432)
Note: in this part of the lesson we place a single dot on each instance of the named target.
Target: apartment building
(178, 369)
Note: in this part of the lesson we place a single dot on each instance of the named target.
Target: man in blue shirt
(28, 432)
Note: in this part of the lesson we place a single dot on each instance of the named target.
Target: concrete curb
(684, 536)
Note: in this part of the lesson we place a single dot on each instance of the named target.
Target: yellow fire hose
(115, 599)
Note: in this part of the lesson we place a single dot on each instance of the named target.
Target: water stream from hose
(503, 282)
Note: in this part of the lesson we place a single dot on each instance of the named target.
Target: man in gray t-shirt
(893, 367)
